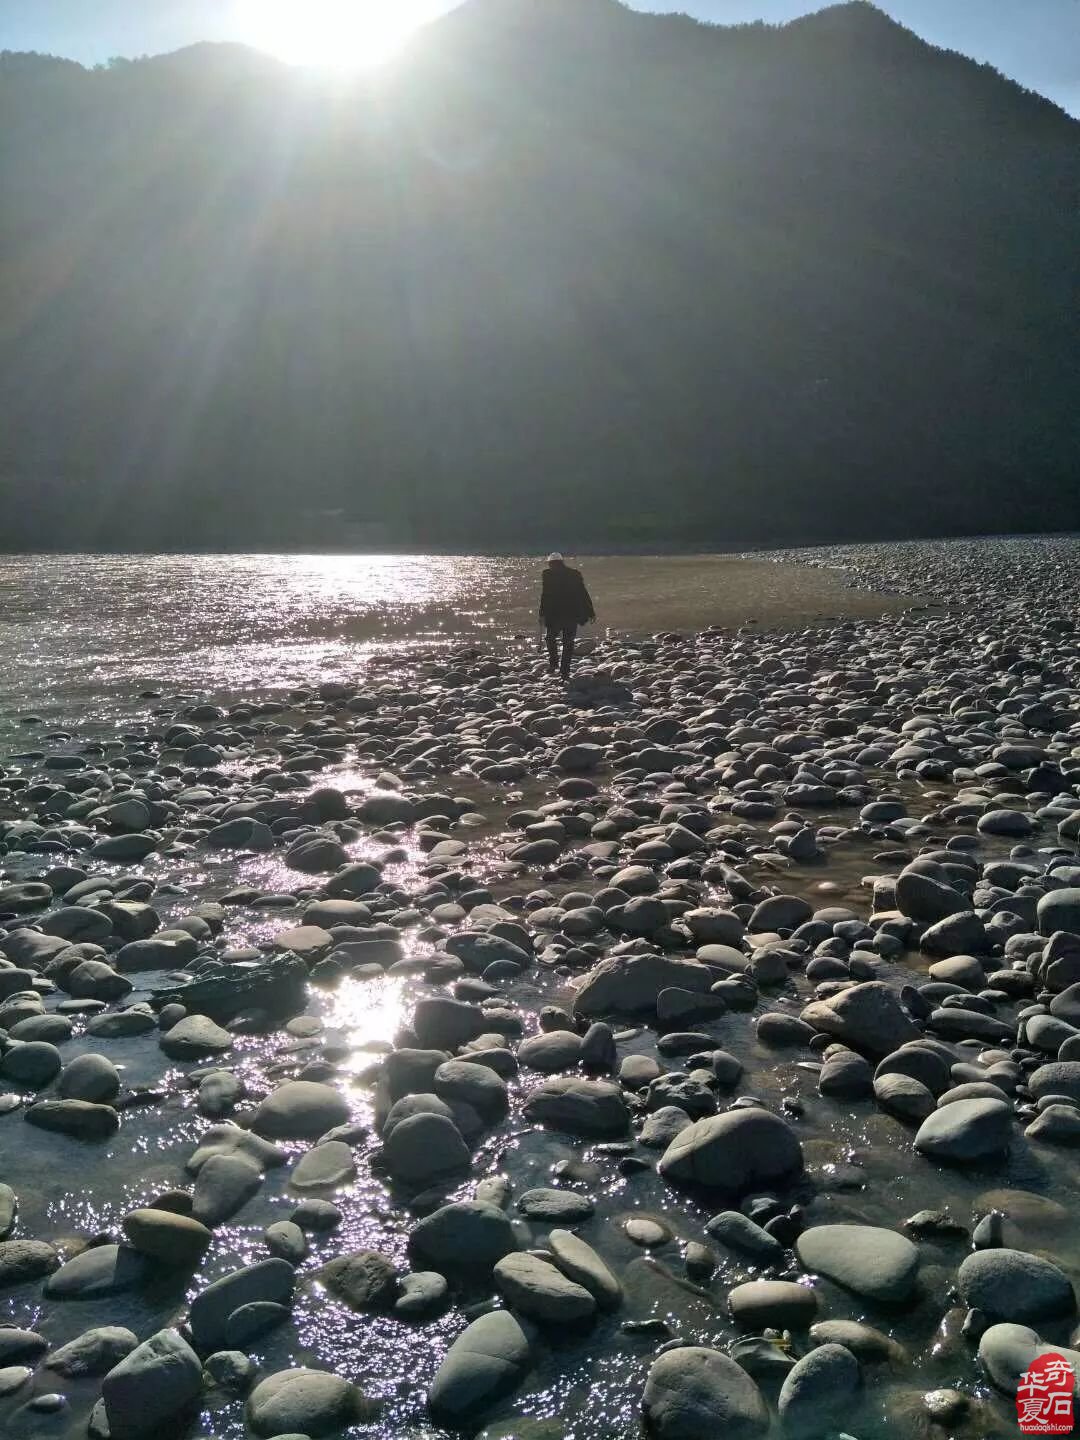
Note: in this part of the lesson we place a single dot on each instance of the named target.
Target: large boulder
(477, 950)
(31, 1064)
(80, 1118)
(467, 1234)
(697, 1394)
(629, 984)
(266, 1282)
(365, 1280)
(22, 1260)
(223, 1187)
(1014, 1286)
(169, 950)
(1006, 1352)
(550, 1051)
(354, 879)
(94, 980)
(153, 1385)
(466, 1082)
(772, 1304)
(741, 1150)
(79, 924)
(584, 1266)
(923, 898)
(738, 1232)
(317, 855)
(878, 1264)
(243, 832)
(386, 807)
(1060, 1077)
(1060, 910)
(579, 1107)
(310, 942)
(300, 1110)
(93, 1078)
(963, 934)
(194, 1037)
(303, 1402)
(422, 1147)
(818, 1392)
(966, 1131)
(485, 1363)
(324, 1166)
(228, 1139)
(537, 1289)
(98, 1272)
(163, 1235)
(867, 1017)
(440, 1023)
(9, 1205)
(94, 1352)
(954, 1022)
(410, 1072)
(779, 912)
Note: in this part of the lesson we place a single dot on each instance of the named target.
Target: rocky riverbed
(694, 1051)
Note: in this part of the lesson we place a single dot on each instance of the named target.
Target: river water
(95, 630)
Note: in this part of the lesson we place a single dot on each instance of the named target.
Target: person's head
(555, 558)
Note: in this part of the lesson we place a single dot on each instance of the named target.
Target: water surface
(100, 628)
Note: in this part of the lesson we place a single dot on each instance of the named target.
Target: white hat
(554, 556)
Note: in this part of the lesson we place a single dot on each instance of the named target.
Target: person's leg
(552, 637)
(568, 637)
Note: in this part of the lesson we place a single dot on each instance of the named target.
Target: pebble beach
(421, 1047)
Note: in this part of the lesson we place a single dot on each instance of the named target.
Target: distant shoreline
(592, 548)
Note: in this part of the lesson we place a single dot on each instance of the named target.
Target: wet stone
(323, 1166)
(300, 1110)
(539, 1290)
(484, 1364)
(559, 1207)
(878, 1264)
(301, 1401)
(365, 1280)
(696, 1394)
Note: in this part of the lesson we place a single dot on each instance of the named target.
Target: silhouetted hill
(566, 273)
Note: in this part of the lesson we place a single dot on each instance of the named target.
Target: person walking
(565, 604)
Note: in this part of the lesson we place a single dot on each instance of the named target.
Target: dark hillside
(569, 268)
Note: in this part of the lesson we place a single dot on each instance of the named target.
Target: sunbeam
(334, 34)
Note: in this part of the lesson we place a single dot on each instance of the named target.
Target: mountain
(566, 274)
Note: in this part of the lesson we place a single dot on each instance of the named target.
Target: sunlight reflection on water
(229, 622)
(98, 629)
(369, 1013)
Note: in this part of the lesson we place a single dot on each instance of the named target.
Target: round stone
(561, 1207)
(737, 1151)
(162, 1235)
(874, 1262)
(537, 1289)
(1013, 1286)
(697, 1394)
(485, 1363)
(301, 1401)
(300, 1110)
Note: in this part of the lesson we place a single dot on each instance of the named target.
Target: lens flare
(334, 34)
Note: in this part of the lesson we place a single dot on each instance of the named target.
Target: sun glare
(334, 34)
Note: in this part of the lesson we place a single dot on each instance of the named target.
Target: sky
(1036, 42)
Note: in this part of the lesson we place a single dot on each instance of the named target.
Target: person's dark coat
(564, 600)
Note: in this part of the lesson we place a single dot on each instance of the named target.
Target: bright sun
(339, 34)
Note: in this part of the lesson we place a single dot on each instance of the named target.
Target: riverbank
(654, 899)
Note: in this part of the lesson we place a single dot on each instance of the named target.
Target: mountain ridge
(870, 21)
